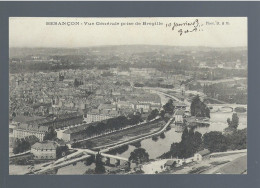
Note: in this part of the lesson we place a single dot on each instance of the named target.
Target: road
(211, 165)
(161, 92)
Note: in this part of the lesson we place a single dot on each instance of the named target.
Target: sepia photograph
(128, 95)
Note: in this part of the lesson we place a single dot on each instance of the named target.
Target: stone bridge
(107, 158)
(225, 107)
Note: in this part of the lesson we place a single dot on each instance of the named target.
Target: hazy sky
(33, 32)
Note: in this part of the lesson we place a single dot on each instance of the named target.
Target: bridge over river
(226, 107)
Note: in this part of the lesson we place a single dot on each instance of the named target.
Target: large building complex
(74, 134)
(59, 121)
(24, 130)
(100, 115)
(40, 127)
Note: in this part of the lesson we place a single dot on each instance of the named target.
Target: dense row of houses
(142, 104)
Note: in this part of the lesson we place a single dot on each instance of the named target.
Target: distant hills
(110, 49)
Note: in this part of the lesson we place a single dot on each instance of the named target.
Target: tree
(207, 112)
(100, 169)
(155, 138)
(185, 134)
(16, 148)
(162, 113)
(90, 160)
(136, 144)
(235, 121)
(61, 151)
(113, 124)
(21, 145)
(193, 106)
(162, 135)
(154, 113)
(32, 139)
(168, 107)
(190, 143)
(76, 83)
(237, 140)
(215, 141)
(90, 171)
(119, 150)
(50, 135)
(139, 156)
(134, 119)
(198, 108)
(197, 141)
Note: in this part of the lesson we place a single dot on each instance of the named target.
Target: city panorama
(127, 109)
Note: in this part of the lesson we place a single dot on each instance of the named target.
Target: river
(218, 122)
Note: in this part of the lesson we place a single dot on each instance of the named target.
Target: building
(199, 155)
(11, 134)
(178, 115)
(65, 120)
(23, 130)
(74, 133)
(59, 121)
(152, 99)
(221, 65)
(142, 107)
(179, 105)
(99, 115)
(193, 121)
(124, 105)
(108, 107)
(44, 150)
(41, 108)
(170, 164)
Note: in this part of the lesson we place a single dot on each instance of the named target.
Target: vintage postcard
(157, 95)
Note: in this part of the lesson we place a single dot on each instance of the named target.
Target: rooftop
(23, 119)
(179, 112)
(50, 145)
(65, 116)
(106, 106)
(176, 103)
(28, 127)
